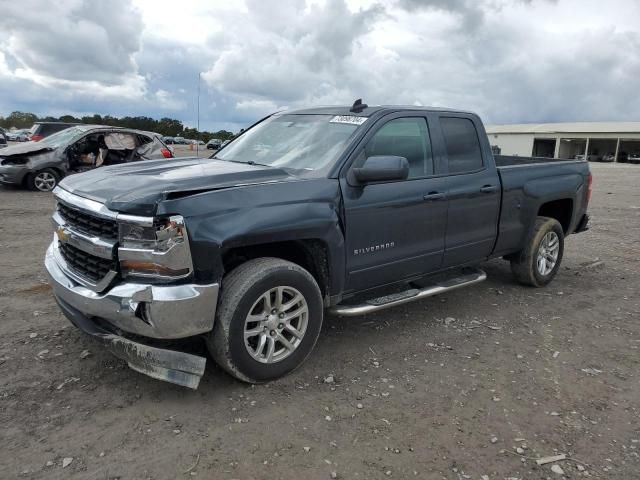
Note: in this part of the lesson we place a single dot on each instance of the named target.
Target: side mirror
(382, 168)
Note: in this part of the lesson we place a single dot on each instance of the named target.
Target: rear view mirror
(382, 168)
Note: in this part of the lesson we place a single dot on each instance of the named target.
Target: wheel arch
(311, 254)
(560, 209)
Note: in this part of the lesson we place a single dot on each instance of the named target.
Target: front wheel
(43, 180)
(268, 320)
(538, 262)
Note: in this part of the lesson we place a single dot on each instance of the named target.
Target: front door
(395, 230)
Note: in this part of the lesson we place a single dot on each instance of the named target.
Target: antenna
(358, 106)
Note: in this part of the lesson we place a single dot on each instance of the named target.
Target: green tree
(21, 120)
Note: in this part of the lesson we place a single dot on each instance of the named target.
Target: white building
(566, 140)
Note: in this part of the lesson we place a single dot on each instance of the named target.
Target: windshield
(62, 137)
(301, 142)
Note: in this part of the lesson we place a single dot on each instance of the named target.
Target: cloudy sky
(508, 60)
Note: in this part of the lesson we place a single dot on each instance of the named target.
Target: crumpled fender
(265, 213)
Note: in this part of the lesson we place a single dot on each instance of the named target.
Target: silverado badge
(374, 248)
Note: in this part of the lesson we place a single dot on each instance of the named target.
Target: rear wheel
(538, 263)
(43, 180)
(268, 320)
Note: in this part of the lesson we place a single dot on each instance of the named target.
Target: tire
(527, 266)
(43, 180)
(244, 291)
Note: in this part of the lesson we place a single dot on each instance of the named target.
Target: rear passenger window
(404, 137)
(463, 146)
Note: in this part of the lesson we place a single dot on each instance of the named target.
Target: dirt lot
(191, 151)
(548, 371)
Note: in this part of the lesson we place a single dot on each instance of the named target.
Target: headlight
(159, 252)
(15, 161)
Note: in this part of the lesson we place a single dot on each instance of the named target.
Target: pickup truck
(341, 209)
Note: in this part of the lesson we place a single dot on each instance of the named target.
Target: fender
(244, 216)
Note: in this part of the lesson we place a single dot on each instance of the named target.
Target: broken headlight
(14, 160)
(157, 252)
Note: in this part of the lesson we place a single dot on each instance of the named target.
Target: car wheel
(43, 180)
(538, 263)
(268, 320)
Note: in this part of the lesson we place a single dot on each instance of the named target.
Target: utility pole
(198, 119)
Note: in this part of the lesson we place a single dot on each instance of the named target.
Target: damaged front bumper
(155, 312)
(171, 366)
(13, 174)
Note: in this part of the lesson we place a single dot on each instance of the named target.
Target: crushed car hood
(27, 148)
(137, 187)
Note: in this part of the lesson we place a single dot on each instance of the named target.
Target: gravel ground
(451, 387)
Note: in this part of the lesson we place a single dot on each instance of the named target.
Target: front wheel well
(310, 254)
(57, 170)
(561, 210)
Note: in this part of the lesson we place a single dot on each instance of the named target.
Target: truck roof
(368, 111)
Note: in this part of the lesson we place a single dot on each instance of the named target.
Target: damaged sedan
(41, 165)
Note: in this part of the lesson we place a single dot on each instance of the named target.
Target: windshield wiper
(251, 162)
(248, 162)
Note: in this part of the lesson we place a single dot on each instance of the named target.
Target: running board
(411, 295)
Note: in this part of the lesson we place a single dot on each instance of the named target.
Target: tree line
(169, 127)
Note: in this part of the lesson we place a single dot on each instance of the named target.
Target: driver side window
(403, 137)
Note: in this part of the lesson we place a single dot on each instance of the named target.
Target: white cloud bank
(509, 60)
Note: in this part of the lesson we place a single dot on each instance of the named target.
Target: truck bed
(514, 160)
(545, 179)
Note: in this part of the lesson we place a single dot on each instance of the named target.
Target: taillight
(36, 138)
(589, 187)
(166, 153)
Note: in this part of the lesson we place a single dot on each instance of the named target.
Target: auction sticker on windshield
(350, 119)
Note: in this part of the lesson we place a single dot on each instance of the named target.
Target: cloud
(297, 57)
(73, 40)
(508, 60)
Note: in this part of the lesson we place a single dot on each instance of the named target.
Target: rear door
(395, 230)
(473, 192)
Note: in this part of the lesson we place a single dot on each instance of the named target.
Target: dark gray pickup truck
(345, 209)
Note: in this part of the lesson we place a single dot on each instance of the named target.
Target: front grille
(88, 224)
(84, 264)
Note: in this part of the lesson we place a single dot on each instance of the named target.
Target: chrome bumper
(155, 311)
(168, 365)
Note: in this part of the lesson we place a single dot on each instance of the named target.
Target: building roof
(573, 127)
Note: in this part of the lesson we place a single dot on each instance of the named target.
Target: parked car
(3, 138)
(634, 158)
(592, 157)
(214, 144)
(348, 209)
(41, 165)
(168, 140)
(41, 130)
(179, 140)
(18, 135)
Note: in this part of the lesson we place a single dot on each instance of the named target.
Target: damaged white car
(41, 165)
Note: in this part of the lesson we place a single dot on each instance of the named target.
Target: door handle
(489, 189)
(433, 196)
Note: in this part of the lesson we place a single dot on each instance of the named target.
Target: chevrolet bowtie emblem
(62, 234)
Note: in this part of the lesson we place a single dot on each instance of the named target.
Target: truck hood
(27, 148)
(136, 188)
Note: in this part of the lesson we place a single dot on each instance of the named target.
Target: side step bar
(411, 295)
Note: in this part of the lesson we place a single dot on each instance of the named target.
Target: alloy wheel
(44, 181)
(276, 324)
(548, 253)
